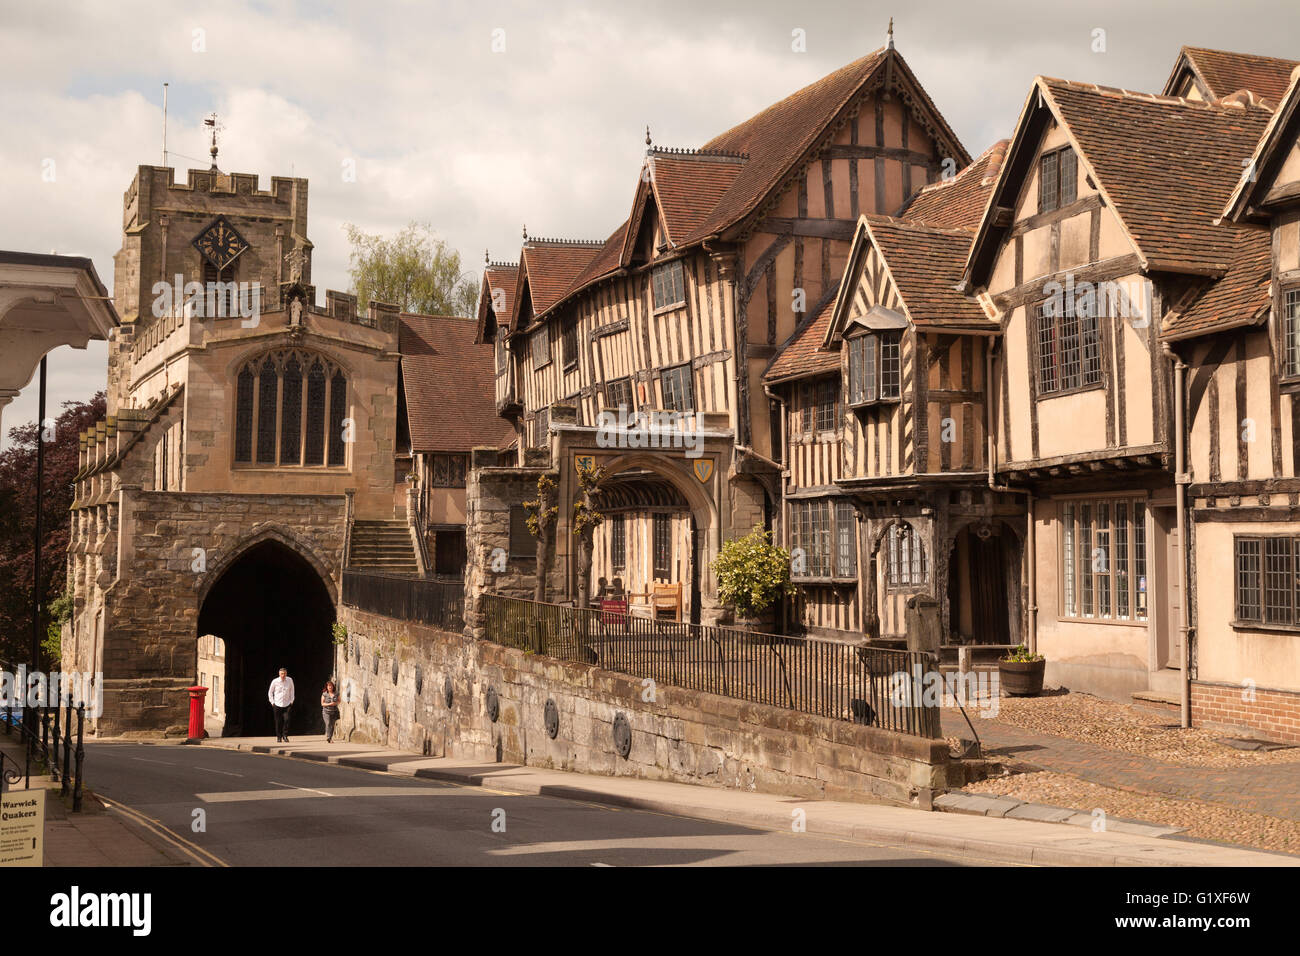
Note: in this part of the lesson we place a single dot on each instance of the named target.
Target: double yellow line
(159, 829)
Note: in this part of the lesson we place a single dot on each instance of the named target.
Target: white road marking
(602, 864)
(292, 787)
(165, 763)
(226, 772)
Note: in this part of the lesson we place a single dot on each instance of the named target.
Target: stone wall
(396, 674)
(491, 491)
(147, 651)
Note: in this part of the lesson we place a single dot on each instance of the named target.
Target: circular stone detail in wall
(622, 735)
(552, 719)
(493, 705)
(446, 690)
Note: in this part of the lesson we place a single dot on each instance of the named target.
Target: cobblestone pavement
(1269, 788)
(1250, 798)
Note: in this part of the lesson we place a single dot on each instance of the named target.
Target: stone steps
(379, 545)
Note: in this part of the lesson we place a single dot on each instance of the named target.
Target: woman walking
(329, 709)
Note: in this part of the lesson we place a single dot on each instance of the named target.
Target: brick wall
(1274, 714)
(395, 673)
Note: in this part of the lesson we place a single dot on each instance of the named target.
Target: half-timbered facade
(1100, 244)
(725, 253)
(885, 434)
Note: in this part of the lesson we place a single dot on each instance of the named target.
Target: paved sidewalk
(1272, 789)
(98, 836)
(1002, 840)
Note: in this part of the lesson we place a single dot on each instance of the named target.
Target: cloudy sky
(480, 117)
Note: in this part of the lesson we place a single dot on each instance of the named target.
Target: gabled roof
(1222, 73)
(1165, 164)
(924, 263)
(776, 139)
(1240, 298)
(688, 186)
(548, 268)
(716, 190)
(959, 202)
(448, 385)
(926, 266)
(1271, 152)
(501, 276)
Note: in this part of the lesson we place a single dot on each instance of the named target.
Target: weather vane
(211, 123)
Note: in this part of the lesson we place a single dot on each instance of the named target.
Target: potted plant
(1021, 672)
(752, 574)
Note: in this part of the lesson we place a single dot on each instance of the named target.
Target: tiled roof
(959, 202)
(497, 275)
(1277, 142)
(926, 265)
(448, 383)
(1226, 73)
(1235, 300)
(550, 266)
(1166, 164)
(689, 186)
(774, 138)
(804, 355)
(703, 195)
(603, 263)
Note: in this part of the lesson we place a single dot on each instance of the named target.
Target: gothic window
(268, 388)
(338, 412)
(282, 414)
(618, 394)
(244, 414)
(314, 447)
(906, 558)
(1291, 333)
(291, 414)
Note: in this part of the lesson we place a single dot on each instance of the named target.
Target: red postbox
(197, 696)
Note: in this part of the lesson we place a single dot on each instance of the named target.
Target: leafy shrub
(752, 573)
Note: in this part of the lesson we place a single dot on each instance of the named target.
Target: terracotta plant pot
(1021, 678)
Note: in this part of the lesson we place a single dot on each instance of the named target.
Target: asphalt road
(262, 810)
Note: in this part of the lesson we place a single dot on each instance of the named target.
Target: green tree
(414, 270)
(753, 573)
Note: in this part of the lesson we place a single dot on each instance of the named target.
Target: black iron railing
(38, 729)
(424, 600)
(865, 685)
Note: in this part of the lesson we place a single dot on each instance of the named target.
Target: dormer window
(875, 367)
(668, 285)
(1058, 179)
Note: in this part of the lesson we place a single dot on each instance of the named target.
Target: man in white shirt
(281, 697)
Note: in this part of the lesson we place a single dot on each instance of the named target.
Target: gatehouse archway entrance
(270, 609)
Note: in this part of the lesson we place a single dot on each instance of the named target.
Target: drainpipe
(1181, 480)
(1031, 534)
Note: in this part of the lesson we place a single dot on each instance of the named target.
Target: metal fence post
(67, 745)
(81, 753)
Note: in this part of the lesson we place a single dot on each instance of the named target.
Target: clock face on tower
(220, 243)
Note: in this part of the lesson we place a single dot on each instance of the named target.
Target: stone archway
(272, 607)
(704, 527)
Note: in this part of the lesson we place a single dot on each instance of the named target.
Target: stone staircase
(382, 546)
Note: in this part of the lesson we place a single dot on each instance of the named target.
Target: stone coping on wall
(680, 735)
